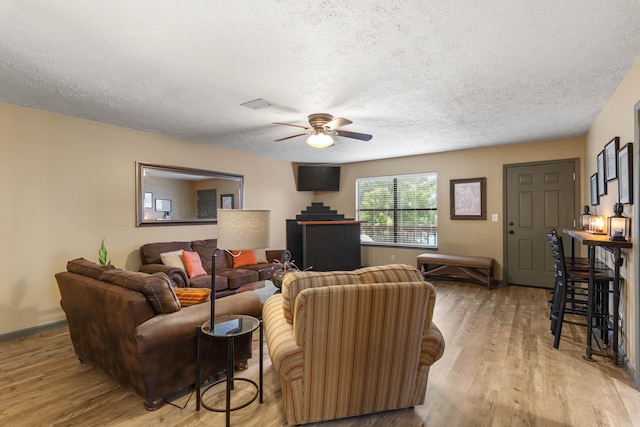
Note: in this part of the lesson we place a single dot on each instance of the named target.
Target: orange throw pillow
(192, 296)
(193, 264)
(242, 258)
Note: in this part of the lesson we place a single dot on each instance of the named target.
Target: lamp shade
(243, 229)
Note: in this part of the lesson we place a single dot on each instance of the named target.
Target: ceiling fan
(322, 127)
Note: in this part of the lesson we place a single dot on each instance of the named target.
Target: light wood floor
(498, 369)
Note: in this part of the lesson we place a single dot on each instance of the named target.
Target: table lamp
(240, 229)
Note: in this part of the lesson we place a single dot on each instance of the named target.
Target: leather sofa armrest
(282, 255)
(164, 330)
(177, 275)
(432, 346)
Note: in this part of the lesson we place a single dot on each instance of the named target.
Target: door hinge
(574, 176)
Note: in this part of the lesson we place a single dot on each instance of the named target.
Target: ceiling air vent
(257, 104)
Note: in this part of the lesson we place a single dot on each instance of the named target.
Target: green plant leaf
(103, 254)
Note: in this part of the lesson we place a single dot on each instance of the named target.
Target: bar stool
(571, 295)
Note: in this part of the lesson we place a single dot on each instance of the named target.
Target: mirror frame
(200, 173)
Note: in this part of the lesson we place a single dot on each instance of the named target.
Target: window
(398, 210)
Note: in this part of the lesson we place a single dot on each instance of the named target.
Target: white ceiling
(421, 76)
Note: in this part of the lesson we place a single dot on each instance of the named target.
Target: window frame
(396, 212)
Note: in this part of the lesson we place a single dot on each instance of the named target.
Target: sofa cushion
(155, 287)
(193, 264)
(192, 296)
(87, 268)
(150, 252)
(243, 258)
(173, 259)
(261, 256)
(206, 249)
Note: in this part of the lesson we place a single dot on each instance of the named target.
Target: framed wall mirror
(184, 195)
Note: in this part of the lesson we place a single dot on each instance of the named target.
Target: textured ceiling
(421, 77)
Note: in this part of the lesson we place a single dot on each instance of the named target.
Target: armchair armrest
(432, 346)
(177, 275)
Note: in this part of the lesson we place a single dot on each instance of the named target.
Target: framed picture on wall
(468, 198)
(595, 199)
(611, 158)
(625, 174)
(602, 182)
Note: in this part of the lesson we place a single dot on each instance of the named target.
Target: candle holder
(618, 225)
(585, 217)
(596, 224)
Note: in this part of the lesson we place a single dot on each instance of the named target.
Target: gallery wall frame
(602, 182)
(625, 174)
(468, 198)
(595, 198)
(611, 158)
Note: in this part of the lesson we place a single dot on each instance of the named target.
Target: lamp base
(618, 239)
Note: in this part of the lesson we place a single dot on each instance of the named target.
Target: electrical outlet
(393, 257)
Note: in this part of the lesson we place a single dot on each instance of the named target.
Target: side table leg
(229, 377)
(261, 356)
(198, 368)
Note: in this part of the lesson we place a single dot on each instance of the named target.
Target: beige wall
(66, 183)
(617, 119)
(459, 237)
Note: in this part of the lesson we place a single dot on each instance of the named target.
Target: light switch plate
(494, 217)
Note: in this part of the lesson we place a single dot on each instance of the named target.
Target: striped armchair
(352, 343)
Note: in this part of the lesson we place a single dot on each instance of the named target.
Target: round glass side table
(227, 328)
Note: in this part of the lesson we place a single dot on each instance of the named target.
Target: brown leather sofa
(131, 326)
(228, 279)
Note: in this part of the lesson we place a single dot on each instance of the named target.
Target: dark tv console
(323, 240)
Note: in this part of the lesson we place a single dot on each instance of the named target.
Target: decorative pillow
(173, 259)
(192, 296)
(155, 287)
(192, 264)
(261, 256)
(242, 258)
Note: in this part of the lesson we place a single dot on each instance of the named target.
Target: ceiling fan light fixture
(320, 140)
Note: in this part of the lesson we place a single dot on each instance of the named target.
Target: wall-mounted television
(318, 178)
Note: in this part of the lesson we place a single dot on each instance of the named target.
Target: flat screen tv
(318, 178)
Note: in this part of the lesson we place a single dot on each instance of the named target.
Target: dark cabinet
(324, 245)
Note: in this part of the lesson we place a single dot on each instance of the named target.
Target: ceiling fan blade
(289, 124)
(292, 136)
(354, 135)
(337, 123)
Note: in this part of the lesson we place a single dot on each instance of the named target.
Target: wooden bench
(474, 267)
